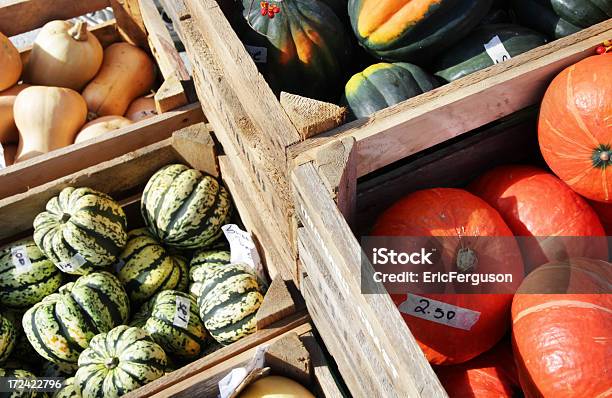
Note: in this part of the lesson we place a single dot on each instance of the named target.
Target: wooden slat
(172, 94)
(195, 375)
(384, 340)
(20, 16)
(328, 386)
(231, 122)
(129, 21)
(461, 106)
(61, 162)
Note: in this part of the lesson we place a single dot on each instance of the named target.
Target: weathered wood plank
(61, 162)
(129, 21)
(461, 106)
(20, 16)
(384, 338)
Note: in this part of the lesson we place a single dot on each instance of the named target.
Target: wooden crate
(124, 179)
(248, 117)
(137, 22)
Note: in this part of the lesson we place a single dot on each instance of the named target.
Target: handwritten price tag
(229, 384)
(259, 54)
(496, 50)
(181, 312)
(243, 249)
(21, 260)
(439, 312)
(74, 264)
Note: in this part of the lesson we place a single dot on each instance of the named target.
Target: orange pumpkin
(562, 330)
(455, 219)
(535, 203)
(490, 375)
(604, 211)
(575, 127)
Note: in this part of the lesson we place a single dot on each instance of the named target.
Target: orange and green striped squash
(303, 48)
(408, 30)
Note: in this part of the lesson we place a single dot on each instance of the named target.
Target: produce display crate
(268, 136)
(137, 22)
(124, 178)
(343, 185)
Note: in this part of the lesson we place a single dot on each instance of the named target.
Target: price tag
(243, 249)
(74, 264)
(496, 50)
(229, 384)
(21, 260)
(182, 312)
(2, 160)
(439, 312)
(259, 54)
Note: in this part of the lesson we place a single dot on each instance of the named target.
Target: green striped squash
(147, 267)
(68, 390)
(118, 362)
(82, 230)
(163, 320)
(229, 300)
(26, 275)
(22, 375)
(61, 326)
(8, 337)
(200, 265)
(184, 208)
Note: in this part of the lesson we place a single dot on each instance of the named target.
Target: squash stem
(65, 217)
(111, 363)
(79, 31)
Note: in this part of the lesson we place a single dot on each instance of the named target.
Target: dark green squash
(408, 30)
(382, 85)
(471, 56)
(540, 15)
(307, 47)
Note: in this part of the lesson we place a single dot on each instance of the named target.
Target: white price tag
(439, 312)
(242, 248)
(2, 160)
(74, 264)
(182, 312)
(496, 50)
(21, 260)
(232, 380)
(259, 54)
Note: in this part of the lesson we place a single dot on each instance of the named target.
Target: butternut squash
(9, 154)
(127, 73)
(101, 126)
(141, 108)
(64, 55)
(8, 130)
(47, 118)
(10, 63)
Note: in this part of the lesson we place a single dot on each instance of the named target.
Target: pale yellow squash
(8, 130)
(10, 63)
(275, 387)
(127, 73)
(101, 126)
(47, 118)
(64, 55)
(141, 108)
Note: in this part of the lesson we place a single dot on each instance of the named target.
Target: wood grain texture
(463, 105)
(197, 148)
(385, 345)
(327, 383)
(231, 122)
(23, 176)
(311, 117)
(201, 376)
(129, 21)
(277, 304)
(20, 16)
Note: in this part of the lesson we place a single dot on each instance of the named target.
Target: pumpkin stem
(602, 156)
(605, 156)
(79, 31)
(65, 217)
(466, 260)
(111, 363)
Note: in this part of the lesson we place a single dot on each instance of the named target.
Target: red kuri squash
(535, 203)
(456, 218)
(490, 375)
(563, 342)
(575, 127)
